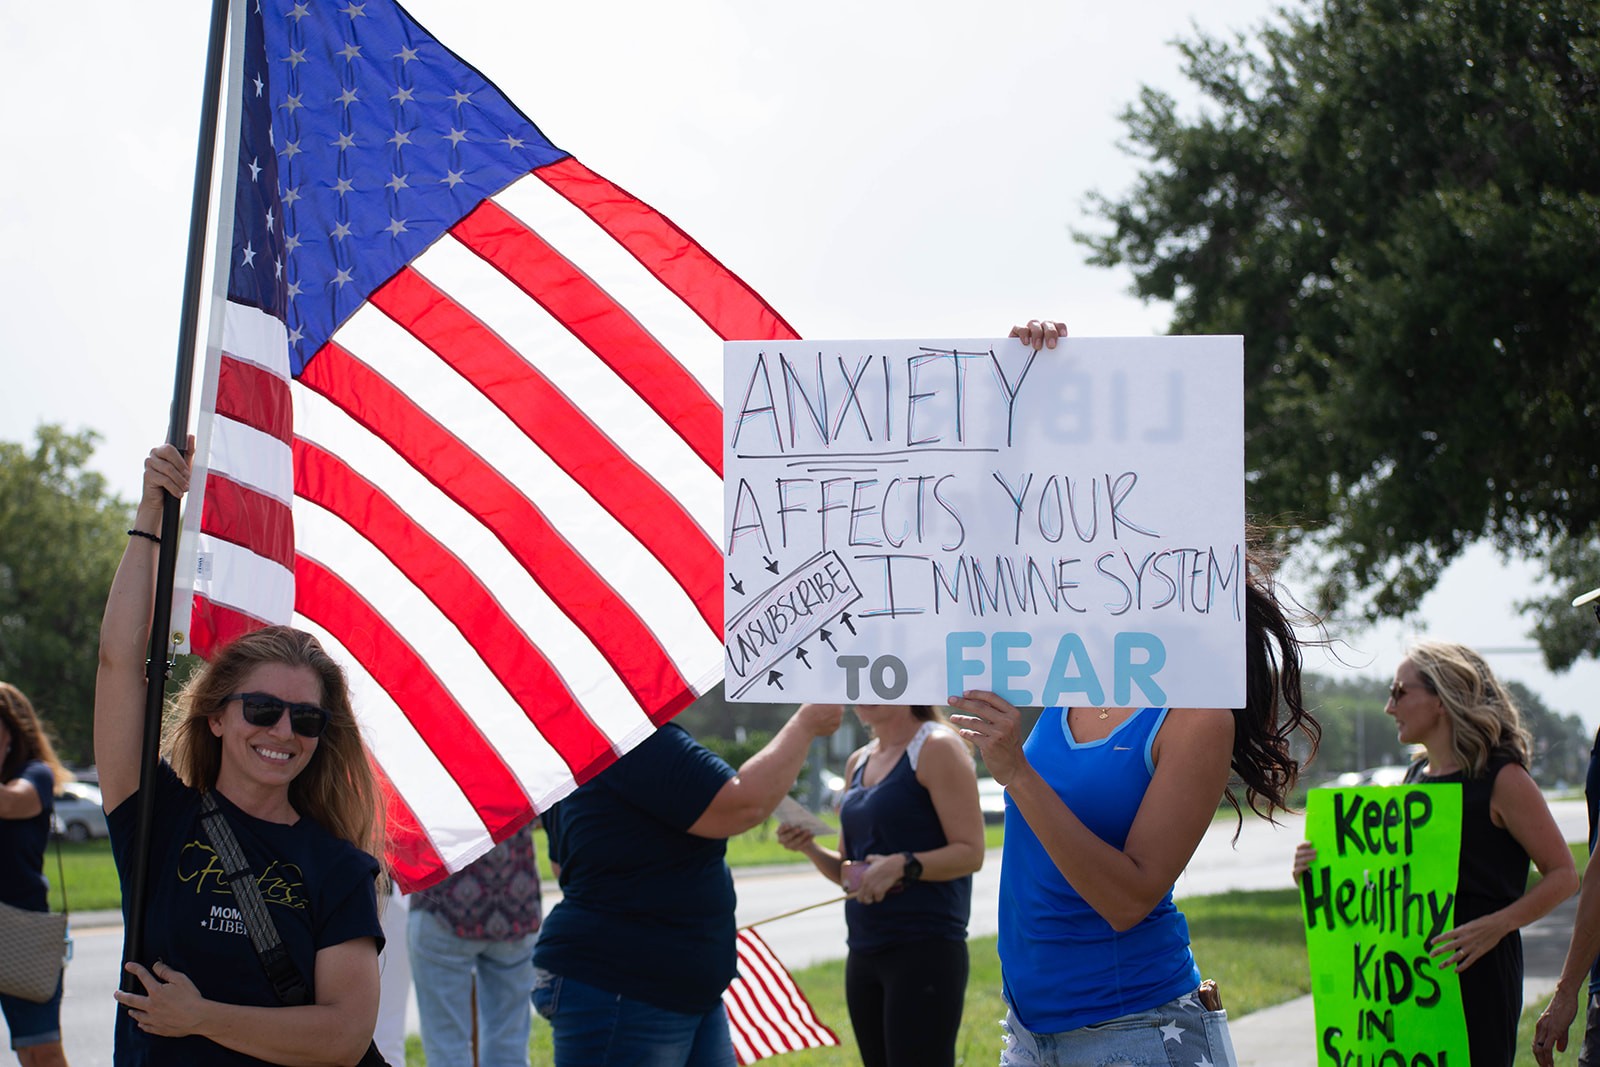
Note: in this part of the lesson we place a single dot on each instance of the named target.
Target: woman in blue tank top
(1104, 808)
(911, 835)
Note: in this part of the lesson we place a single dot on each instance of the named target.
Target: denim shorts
(32, 1024)
(1179, 1033)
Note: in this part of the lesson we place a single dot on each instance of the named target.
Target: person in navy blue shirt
(910, 838)
(630, 965)
(30, 774)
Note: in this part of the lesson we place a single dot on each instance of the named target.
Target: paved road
(1260, 860)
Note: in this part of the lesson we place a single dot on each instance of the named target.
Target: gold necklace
(1105, 713)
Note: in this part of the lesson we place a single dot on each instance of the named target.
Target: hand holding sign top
(992, 724)
(1039, 333)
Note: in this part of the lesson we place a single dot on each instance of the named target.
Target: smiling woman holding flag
(266, 766)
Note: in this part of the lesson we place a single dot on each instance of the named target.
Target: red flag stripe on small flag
(767, 1013)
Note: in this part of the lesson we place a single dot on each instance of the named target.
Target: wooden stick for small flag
(796, 911)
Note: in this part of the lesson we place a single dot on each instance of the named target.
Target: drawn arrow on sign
(844, 617)
(803, 656)
(772, 679)
(772, 564)
(827, 637)
(738, 586)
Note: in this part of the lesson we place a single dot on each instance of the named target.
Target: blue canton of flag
(363, 140)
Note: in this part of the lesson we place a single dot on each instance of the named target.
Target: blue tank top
(897, 815)
(1063, 966)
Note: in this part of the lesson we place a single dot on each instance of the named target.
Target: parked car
(78, 812)
(1393, 774)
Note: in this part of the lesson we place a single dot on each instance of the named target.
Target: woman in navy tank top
(1104, 808)
(911, 835)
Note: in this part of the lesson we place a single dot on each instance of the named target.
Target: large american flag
(458, 420)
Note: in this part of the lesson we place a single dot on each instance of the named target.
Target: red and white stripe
(495, 493)
(767, 1012)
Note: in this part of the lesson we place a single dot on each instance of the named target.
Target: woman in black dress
(1446, 699)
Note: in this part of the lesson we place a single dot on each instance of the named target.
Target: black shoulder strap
(285, 977)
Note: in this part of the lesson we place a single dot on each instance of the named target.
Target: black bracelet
(146, 536)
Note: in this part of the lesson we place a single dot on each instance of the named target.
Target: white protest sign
(906, 520)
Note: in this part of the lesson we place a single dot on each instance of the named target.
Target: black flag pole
(158, 662)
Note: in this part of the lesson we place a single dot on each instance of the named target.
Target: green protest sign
(1382, 887)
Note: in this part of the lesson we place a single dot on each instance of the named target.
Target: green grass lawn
(1251, 943)
(91, 876)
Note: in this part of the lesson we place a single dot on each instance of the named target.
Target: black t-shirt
(22, 844)
(647, 907)
(318, 889)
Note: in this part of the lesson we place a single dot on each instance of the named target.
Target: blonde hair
(337, 788)
(1484, 719)
(29, 738)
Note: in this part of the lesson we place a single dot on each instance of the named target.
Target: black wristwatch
(913, 870)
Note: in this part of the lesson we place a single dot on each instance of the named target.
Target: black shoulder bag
(287, 982)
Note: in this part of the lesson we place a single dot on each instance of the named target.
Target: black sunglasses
(264, 709)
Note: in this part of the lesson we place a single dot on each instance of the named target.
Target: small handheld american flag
(767, 1012)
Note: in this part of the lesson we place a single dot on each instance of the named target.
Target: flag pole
(158, 664)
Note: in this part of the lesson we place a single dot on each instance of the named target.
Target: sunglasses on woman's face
(264, 710)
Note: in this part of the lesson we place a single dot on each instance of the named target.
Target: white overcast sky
(874, 168)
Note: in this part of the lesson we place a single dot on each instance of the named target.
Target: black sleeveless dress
(1494, 873)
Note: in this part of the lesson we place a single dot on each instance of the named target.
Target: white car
(992, 800)
(79, 815)
(1389, 775)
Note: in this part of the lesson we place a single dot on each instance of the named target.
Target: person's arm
(333, 1032)
(20, 799)
(119, 685)
(945, 770)
(1122, 885)
(1550, 1035)
(750, 796)
(828, 862)
(1517, 805)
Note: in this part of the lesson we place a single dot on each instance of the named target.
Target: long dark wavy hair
(1263, 758)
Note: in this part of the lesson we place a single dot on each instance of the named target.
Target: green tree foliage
(1560, 742)
(61, 535)
(1566, 633)
(1356, 734)
(1397, 203)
